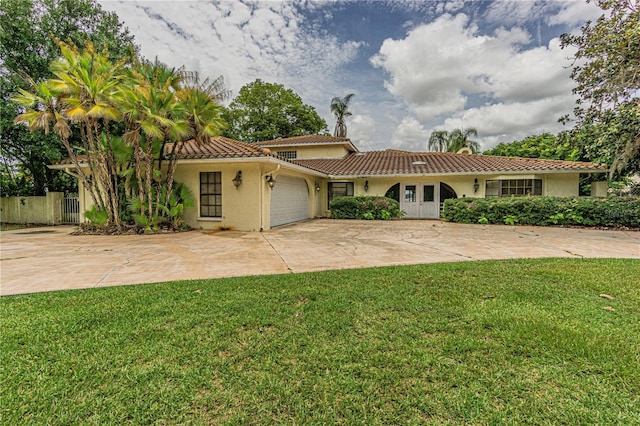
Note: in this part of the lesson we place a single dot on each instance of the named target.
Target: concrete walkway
(45, 259)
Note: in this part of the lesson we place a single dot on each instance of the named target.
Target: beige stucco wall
(46, 209)
(240, 207)
(463, 185)
(553, 185)
(561, 185)
(600, 189)
(248, 207)
(315, 151)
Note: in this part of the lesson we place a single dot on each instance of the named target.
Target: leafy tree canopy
(607, 73)
(28, 30)
(265, 111)
(546, 146)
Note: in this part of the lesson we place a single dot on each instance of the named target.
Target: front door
(420, 201)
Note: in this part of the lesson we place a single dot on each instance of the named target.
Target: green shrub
(615, 212)
(97, 218)
(365, 207)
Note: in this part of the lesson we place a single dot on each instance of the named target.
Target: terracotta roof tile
(303, 140)
(387, 162)
(219, 147)
(391, 162)
(216, 147)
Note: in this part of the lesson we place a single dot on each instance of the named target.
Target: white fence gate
(71, 211)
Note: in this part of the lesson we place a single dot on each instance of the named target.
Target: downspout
(72, 173)
(262, 176)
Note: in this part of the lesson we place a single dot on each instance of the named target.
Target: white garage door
(289, 200)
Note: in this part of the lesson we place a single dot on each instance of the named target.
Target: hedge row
(613, 212)
(364, 207)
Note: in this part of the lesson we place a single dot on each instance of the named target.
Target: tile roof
(219, 147)
(306, 140)
(392, 162)
(388, 162)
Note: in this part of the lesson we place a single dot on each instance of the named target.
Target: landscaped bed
(550, 341)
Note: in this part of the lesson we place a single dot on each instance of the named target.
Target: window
(340, 189)
(210, 194)
(513, 187)
(428, 193)
(410, 194)
(291, 155)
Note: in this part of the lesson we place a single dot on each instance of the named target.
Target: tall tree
(28, 29)
(459, 138)
(153, 112)
(264, 111)
(607, 72)
(438, 141)
(340, 108)
(546, 146)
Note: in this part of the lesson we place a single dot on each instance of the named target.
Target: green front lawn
(497, 342)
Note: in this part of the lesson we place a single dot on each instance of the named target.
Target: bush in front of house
(614, 212)
(365, 207)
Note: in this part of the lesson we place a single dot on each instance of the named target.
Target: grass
(496, 342)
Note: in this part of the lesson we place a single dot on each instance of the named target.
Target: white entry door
(421, 200)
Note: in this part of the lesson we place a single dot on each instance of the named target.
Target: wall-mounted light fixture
(237, 181)
(317, 186)
(366, 185)
(476, 185)
(270, 180)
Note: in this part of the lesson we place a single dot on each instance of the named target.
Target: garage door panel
(289, 200)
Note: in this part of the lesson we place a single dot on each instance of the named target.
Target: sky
(414, 66)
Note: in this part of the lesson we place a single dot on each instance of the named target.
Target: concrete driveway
(45, 259)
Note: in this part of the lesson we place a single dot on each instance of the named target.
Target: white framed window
(513, 187)
(290, 155)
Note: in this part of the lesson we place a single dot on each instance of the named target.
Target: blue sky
(414, 66)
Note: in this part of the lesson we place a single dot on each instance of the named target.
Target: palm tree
(148, 100)
(340, 108)
(459, 138)
(163, 111)
(83, 94)
(439, 141)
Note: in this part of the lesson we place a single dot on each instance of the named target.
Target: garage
(289, 200)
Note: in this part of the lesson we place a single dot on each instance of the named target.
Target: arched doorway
(393, 192)
(446, 192)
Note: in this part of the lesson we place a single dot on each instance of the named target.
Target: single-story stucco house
(256, 186)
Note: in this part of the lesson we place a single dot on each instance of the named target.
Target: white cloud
(450, 69)
(242, 40)
(574, 13)
(361, 129)
(513, 121)
(439, 68)
(410, 134)
(516, 12)
(438, 65)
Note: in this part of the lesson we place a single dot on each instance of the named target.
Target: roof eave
(262, 159)
(466, 173)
